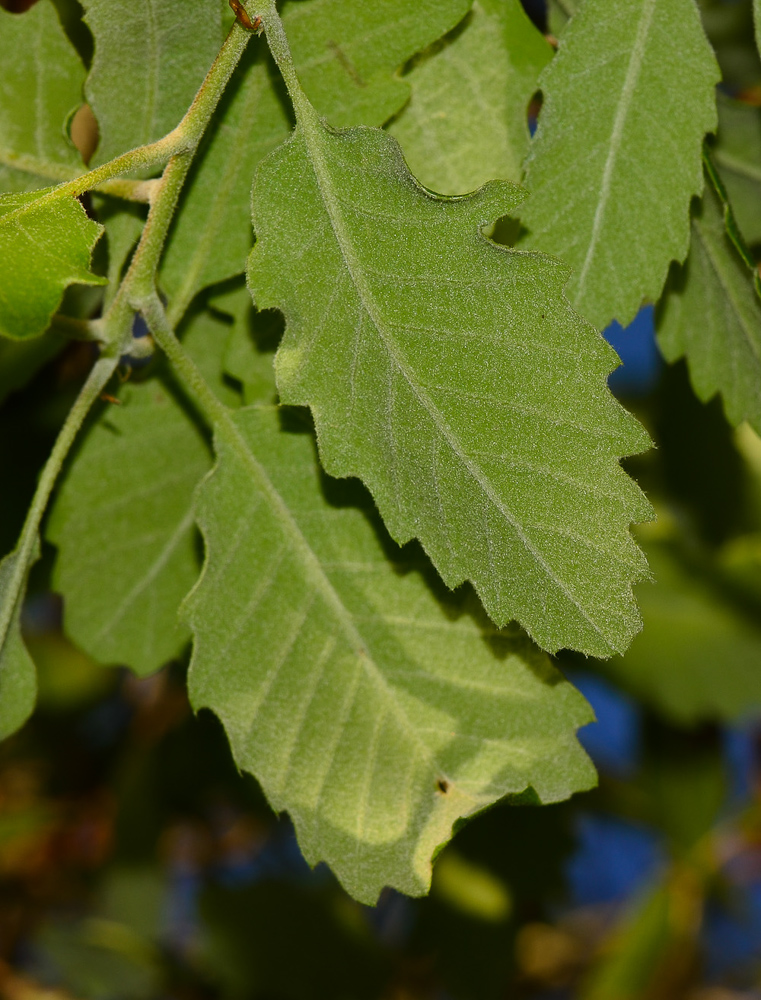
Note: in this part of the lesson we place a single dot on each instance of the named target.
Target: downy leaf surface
(375, 709)
(18, 677)
(617, 154)
(45, 246)
(451, 375)
(467, 121)
(40, 89)
(711, 314)
(150, 59)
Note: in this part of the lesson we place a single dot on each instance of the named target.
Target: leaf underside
(451, 375)
(711, 314)
(375, 711)
(617, 154)
(466, 122)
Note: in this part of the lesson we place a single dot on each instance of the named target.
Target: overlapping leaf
(40, 88)
(150, 59)
(376, 713)
(451, 375)
(18, 677)
(349, 54)
(711, 314)
(467, 120)
(617, 154)
(45, 246)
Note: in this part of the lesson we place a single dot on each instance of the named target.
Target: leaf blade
(355, 348)
(595, 171)
(346, 712)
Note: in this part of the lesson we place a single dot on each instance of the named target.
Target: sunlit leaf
(451, 375)
(373, 705)
(45, 246)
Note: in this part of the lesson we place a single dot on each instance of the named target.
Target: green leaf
(697, 656)
(452, 376)
(151, 56)
(18, 678)
(374, 710)
(45, 246)
(711, 314)
(467, 120)
(251, 346)
(757, 23)
(20, 360)
(617, 154)
(737, 154)
(212, 233)
(347, 54)
(40, 88)
(352, 76)
(123, 525)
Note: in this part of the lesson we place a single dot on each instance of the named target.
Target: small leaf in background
(18, 678)
(698, 656)
(40, 89)
(711, 314)
(44, 248)
(617, 154)
(150, 59)
(452, 376)
(250, 351)
(376, 710)
(737, 154)
(347, 54)
(123, 526)
(467, 120)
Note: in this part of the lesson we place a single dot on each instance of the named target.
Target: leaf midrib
(630, 83)
(312, 128)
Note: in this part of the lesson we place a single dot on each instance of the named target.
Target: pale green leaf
(40, 88)
(617, 154)
(711, 314)
(18, 677)
(697, 656)
(737, 154)
(151, 56)
(452, 376)
(45, 246)
(372, 709)
(757, 23)
(466, 122)
(347, 54)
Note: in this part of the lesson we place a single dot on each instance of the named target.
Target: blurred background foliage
(136, 862)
